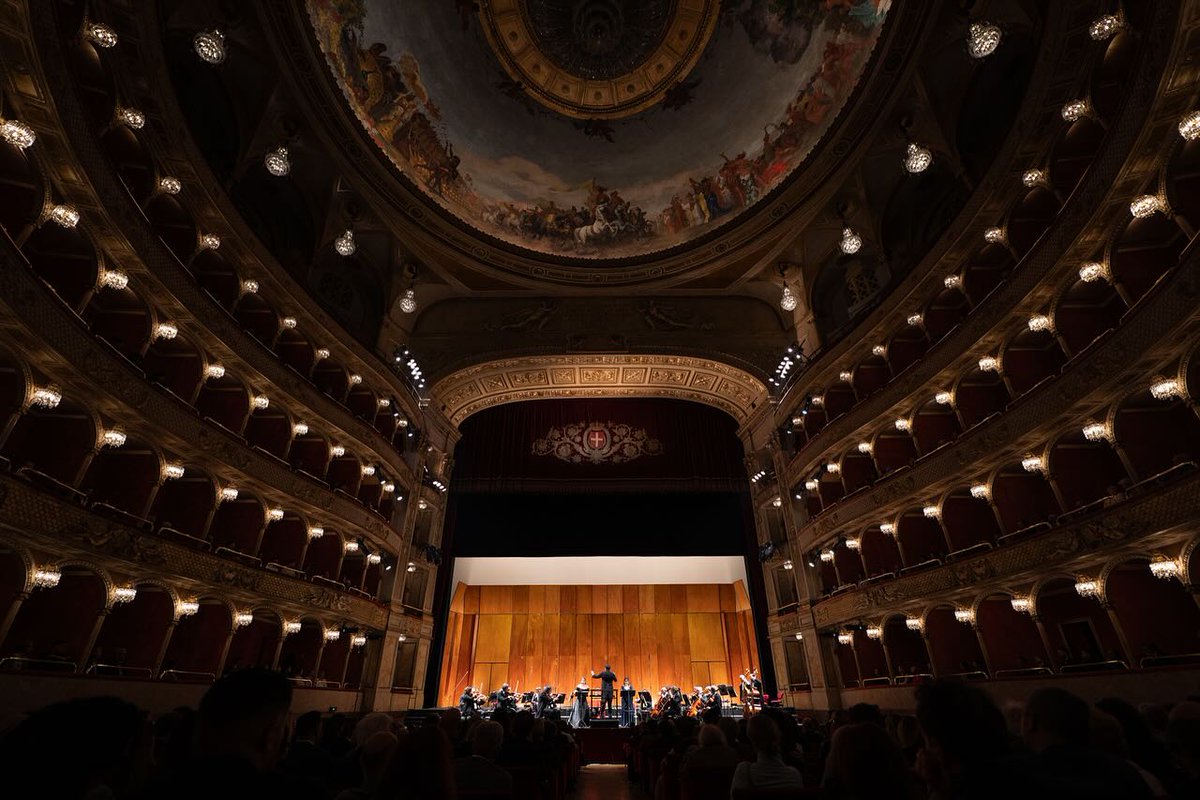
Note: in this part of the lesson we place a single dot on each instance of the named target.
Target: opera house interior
(413, 375)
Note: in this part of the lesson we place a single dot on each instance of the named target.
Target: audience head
(865, 712)
(729, 727)
(369, 725)
(1183, 735)
(711, 736)
(375, 755)
(1054, 716)
(522, 725)
(960, 723)
(421, 768)
(763, 734)
(864, 762)
(308, 726)
(486, 739)
(245, 714)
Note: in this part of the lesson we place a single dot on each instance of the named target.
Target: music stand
(645, 699)
(560, 698)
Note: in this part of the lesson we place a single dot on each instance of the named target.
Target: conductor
(607, 679)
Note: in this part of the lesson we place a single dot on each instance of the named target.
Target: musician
(607, 679)
(506, 699)
(713, 699)
(674, 705)
(544, 705)
(627, 697)
(466, 703)
(579, 708)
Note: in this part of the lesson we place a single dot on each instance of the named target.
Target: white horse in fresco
(597, 230)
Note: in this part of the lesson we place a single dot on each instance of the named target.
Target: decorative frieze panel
(47, 523)
(1058, 549)
(475, 388)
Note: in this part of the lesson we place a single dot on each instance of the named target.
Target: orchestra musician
(751, 691)
(713, 699)
(607, 679)
(628, 693)
(506, 699)
(467, 704)
(543, 703)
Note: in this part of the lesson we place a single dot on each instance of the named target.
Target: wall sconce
(46, 577)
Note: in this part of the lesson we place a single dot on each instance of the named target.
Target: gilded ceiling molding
(469, 390)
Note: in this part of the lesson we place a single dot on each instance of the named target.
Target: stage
(602, 744)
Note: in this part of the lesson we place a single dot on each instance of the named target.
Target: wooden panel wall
(685, 634)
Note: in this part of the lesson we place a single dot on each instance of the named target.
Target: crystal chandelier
(277, 162)
(112, 279)
(846, 376)
(932, 512)
(100, 34)
(130, 118)
(46, 577)
(1093, 271)
(289, 323)
(165, 330)
(845, 638)
(787, 300)
(1146, 206)
(344, 244)
(332, 634)
(993, 235)
(879, 351)
(888, 528)
(917, 158)
(291, 626)
(1097, 432)
(321, 353)
(874, 632)
(250, 286)
(944, 398)
(1033, 177)
(355, 379)
(210, 46)
(1032, 463)
(1075, 110)
(64, 215)
(260, 401)
(1163, 567)
(913, 623)
(833, 468)
(374, 558)
(1104, 27)
(210, 241)
(275, 514)
(818, 401)
(315, 532)
(388, 487)
(169, 185)
(851, 242)
(1189, 126)
(113, 437)
(989, 364)
(1022, 605)
(853, 543)
(17, 133)
(350, 546)
(964, 615)
(812, 484)
(337, 451)
(172, 471)
(229, 494)
(124, 594)
(367, 470)
(358, 640)
(903, 425)
(242, 618)
(187, 608)
(915, 320)
(1165, 388)
(300, 429)
(952, 281)
(983, 39)
(1087, 588)
(826, 556)
(1038, 323)
(980, 491)
(865, 448)
(45, 397)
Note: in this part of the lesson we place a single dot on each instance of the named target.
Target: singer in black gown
(628, 694)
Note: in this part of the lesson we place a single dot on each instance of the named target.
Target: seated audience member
(865, 763)
(1107, 737)
(304, 758)
(967, 751)
(865, 712)
(1143, 747)
(93, 747)
(768, 770)
(421, 768)
(478, 772)
(374, 757)
(712, 753)
(519, 749)
(1057, 728)
(1183, 737)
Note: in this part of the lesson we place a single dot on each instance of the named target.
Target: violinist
(467, 704)
(674, 705)
(713, 699)
(506, 699)
(544, 705)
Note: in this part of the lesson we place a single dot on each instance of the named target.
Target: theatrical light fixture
(812, 484)
(982, 39)
(989, 364)
(980, 491)
(374, 558)
(1033, 177)
(874, 632)
(368, 470)
(1189, 126)
(913, 623)
(165, 330)
(964, 615)
(1022, 605)
(315, 531)
(888, 528)
(45, 396)
(902, 425)
(130, 118)
(291, 626)
(113, 437)
(1145, 206)
(402, 638)
(249, 286)
(1087, 588)
(851, 242)
(932, 512)
(952, 281)
(355, 379)
(788, 564)
(289, 323)
(422, 504)
(99, 34)
(383, 402)
(917, 158)
(1039, 322)
(994, 235)
(124, 594)
(799, 636)
(1074, 110)
(1163, 567)
(64, 215)
(337, 450)
(853, 543)
(846, 376)
(411, 567)
(350, 546)
(1097, 431)
(943, 398)
(186, 608)
(826, 556)
(112, 279)
(229, 494)
(275, 514)
(865, 448)
(787, 300)
(17, 133)
(168, 184)
(845, 638)
(172, 471)
(833, 468)
(358, 640)
(210, 241)
(332, 634)
(210, 46)
(321, 353)
(1093, 271)
(46, 577)
(300, 429)
(277, 162)
(1165, 388)
(260, 401)
(777, 502)
(1032, 463)
(818, 401)
(879, 351)
(344, 244)
(915, 320)
(1104, 27)
(388, 487)
(242, 618)
(408, 303)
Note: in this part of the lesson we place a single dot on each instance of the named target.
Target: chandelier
(65, 215)
(408, 303)
(1104, 27)
(851, 242)
(187, 608)
(980, 491)
(1189, 126)
(1033, 177)
(210, 46)
(130, 117)
(344, 244)
(964, 615)
(914, 623)
(46, 577)
(1165, 388)
(1022, 605)
(874, 632)
(112, 279)
(113, 437)
(1146, 206)
(917, 158)
(1075, 110)
(17, 133)
(1087, 588)
(277, 162)
(888, 528)
(45, 397)
(989, 364)
(210, 241)
(291, 626)
(1093, 271)
(124, 594)
(332, 634)
(845, 638)
(983, 39)
(787, 300)
(1163, 567)
(170, 185)
(100, 34)
(242, 618)
(358, 640)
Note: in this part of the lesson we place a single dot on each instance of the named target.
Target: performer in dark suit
(607, 679)
(545, 705)
(466, 703)
(627, 697)
(714, 699)
(506, 699)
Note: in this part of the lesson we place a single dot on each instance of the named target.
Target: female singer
(627, 698)
(579, 709)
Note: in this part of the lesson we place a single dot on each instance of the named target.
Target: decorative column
(1126, 650)
(220, 668)
(86, 653)
(1051, 651)
(162, 651)
(887, 656)
(11, 614)
(933, 667)
(987, 660)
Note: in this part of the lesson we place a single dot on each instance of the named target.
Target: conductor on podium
(607, 679)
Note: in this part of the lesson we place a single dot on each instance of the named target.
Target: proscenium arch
(475, 388)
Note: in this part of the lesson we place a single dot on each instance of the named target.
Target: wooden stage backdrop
(684, 634)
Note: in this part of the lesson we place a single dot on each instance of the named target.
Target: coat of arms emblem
(597, 443)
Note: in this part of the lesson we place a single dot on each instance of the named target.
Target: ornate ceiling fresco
(597, 129)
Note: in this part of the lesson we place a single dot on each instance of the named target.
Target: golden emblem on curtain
(597, 443)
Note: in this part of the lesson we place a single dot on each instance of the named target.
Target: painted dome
(597, 129)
